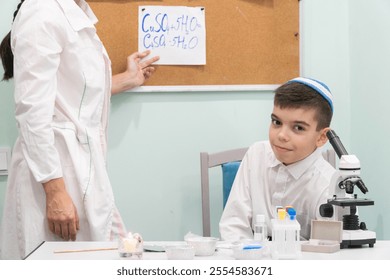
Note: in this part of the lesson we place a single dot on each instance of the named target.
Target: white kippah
(318, 86)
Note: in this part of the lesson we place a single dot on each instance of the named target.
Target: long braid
(7, 57)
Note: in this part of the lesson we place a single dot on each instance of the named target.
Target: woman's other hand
(61, 213)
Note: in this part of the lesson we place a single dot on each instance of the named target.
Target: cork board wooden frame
(248, 42)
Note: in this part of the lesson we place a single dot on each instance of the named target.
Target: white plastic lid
(260, 218)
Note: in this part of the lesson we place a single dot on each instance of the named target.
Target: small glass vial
(260, 229)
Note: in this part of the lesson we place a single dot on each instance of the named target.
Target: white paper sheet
(176, 33)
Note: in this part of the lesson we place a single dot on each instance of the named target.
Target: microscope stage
(351, 202)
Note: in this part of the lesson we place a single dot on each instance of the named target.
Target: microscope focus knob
(363, 226)
(326, 210)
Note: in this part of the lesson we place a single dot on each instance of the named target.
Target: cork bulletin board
(251, 42)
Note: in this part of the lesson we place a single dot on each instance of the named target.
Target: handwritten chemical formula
(176, 34)
(158, 31)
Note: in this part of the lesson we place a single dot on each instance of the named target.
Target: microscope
(343, 205)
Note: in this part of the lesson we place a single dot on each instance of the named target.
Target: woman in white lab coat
(58, 187)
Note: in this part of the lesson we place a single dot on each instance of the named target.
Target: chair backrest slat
(208, 161)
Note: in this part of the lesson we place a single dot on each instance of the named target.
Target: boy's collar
(298, 168)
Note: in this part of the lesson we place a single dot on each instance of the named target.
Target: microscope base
(357, 238)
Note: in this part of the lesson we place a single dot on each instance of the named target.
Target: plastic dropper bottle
(260, 228)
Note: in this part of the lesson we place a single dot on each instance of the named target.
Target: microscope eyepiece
(336, 143)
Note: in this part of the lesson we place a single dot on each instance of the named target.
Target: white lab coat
(62, 91)
(262, 183)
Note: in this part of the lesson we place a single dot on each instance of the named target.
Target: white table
(47, 251)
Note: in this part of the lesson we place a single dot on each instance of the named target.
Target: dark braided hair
(7, 57)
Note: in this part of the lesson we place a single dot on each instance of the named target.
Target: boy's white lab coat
(62, 91)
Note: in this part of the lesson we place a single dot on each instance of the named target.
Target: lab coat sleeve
(36, 46)
(236, 218)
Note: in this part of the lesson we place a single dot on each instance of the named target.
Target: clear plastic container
(180, 252)
(249, 249)
(204, 246)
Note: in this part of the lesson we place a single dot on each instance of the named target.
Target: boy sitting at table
(289, 168)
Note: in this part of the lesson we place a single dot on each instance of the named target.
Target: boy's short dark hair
(296, 95)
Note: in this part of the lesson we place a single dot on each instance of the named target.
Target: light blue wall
(370, 88)
(155, 138)
(325, 54)
(154, 152)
